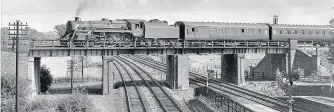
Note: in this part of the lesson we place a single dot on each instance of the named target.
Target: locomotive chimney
(275, 21)
(77, 18)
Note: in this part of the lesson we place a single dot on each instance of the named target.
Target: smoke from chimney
(83, 4)
(77, 19)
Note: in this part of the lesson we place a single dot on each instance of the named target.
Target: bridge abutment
(107, 74)
(288, 62)
(232, 68)
(177, 76)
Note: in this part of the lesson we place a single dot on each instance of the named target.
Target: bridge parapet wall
(271, 62)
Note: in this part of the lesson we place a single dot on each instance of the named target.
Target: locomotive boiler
(120, 30)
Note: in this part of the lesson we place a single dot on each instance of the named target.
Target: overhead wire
(4, 11)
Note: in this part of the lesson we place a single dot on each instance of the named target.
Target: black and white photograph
(167, 55)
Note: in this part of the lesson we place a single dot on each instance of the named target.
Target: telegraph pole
(17, 34)
(82, 66)
(71, 69)
(72, 75)
(331, 22)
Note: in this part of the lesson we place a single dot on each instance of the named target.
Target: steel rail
(233, 87)
(165, 101)
(128, 100)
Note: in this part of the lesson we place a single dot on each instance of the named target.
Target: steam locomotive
(130, 30)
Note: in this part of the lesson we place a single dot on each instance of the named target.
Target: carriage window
(331, 32)
(193, 29)
(259, 30)
(242, 30)
(274, 31)
(214, 30)
(303, 32)
(137, 26)
(281, 32)
(309, 32)
(265, 31)
(317, 32)
(222, 30)
(323, 32)
(295, 32)
(289, 31)
(232, 30)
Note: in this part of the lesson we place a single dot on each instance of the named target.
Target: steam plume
(82, 4)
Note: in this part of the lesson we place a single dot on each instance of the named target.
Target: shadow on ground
(65, 88)
(138, 83)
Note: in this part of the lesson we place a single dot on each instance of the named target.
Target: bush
(8, 92)
(41, 105)
(45, 79)
(298, 73)
(77, 102)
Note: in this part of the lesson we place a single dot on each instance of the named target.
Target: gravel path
(104, 103)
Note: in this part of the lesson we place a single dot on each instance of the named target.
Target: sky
(43, 15)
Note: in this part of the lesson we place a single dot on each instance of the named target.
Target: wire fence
(221, 101)
(85, 79)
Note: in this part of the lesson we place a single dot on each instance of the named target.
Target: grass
(76, 102)
(65, 87)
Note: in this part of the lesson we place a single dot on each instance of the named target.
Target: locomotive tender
(130, 30)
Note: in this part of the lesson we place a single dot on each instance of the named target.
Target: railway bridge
(232, 54)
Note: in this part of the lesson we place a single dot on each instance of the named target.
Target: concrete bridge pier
(293, 47)
(177, 76)
(37, 71)
(107, 74)
(232, 68)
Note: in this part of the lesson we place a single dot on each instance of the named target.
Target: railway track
(231, 89)
(134, 99)
(166, 102)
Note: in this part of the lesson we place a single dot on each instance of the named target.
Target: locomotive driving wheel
(127, 40)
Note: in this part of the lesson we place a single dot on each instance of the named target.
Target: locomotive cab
(136, 26)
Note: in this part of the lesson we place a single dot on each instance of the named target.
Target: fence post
(52, 44)
(228, 105)
(221, 101)
(215, 98)
(247, 76)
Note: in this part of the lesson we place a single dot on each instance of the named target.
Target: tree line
(33, 34)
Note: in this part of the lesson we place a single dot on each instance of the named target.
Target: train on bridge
(136, 30)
